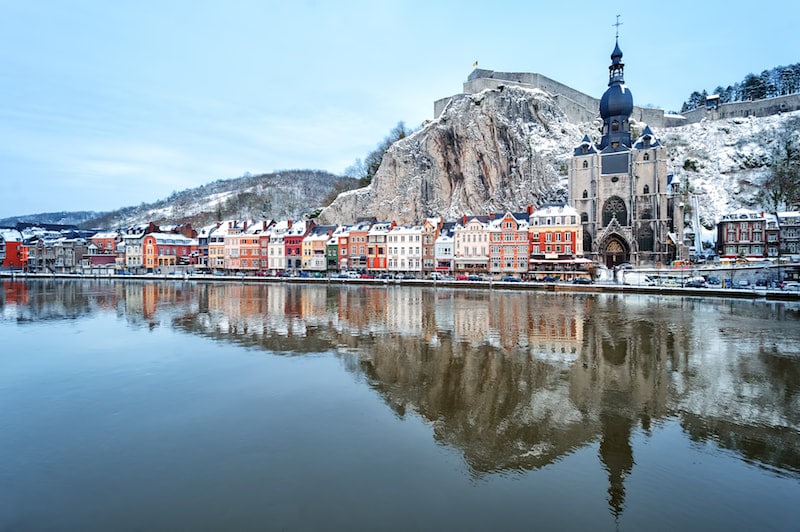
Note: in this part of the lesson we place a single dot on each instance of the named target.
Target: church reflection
(513, 380)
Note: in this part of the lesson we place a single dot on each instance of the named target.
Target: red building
(293, 243)
(106, 243)
(12, 252)
(748, 234)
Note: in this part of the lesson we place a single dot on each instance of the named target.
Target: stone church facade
(630, 206)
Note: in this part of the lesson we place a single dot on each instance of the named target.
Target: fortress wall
(766, 107)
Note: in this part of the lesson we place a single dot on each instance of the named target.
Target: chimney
(464, 219)
(530, 210)
(245, 226)
(230, 225)
(289, 223)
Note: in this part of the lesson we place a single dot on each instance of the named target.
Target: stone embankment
(614, 288)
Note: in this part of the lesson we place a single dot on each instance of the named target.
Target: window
(585, 164)
(646, 189)
(646, 157)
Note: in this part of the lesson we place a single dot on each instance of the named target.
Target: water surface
(191, 406)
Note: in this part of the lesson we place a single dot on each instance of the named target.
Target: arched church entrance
(615, 252)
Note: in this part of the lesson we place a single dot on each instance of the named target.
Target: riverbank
(607, 287)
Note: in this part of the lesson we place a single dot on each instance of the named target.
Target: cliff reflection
(514, 380)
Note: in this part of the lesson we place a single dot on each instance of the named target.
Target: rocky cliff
(507, 148)
(503, 148)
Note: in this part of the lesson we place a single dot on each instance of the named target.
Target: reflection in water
(514, 380)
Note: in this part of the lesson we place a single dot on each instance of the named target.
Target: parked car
(510, 279)
(695, 283)
(581, 280)
(793, 286)
(713, 281)
(462, 277)
(549, 279)
(474, 277)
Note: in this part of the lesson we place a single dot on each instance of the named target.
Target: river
(180, 405)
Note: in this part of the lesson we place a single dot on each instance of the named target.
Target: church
(630, 206)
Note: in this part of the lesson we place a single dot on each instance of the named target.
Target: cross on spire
(618, 24)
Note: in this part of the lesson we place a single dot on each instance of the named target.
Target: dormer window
(646, 157)
(585, 194)
(585, 164)
(614, 126)
(646, 189)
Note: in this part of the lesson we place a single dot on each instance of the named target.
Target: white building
(471, 246)
(405, 250)
(444, 249)
(276, 251)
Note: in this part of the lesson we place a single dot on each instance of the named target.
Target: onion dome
(616, 101)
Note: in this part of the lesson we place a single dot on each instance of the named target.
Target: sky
(111, 104)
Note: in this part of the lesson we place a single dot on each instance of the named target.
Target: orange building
(357, 258)
(161, 250)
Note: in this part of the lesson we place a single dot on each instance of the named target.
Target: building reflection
(514, 380)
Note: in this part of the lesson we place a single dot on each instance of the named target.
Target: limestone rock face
(500, 149)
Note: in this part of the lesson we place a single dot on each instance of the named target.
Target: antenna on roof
(618, 24)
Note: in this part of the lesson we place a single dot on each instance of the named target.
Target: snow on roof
(11, 235)
(105, 234)
(172, 238)
(555, 210)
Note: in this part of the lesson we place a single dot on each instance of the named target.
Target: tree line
(778, 81)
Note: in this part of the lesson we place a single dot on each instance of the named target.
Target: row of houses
(522, 244)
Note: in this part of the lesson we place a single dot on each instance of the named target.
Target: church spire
(616, 105)
(616, 70)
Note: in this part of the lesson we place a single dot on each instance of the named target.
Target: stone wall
(766, 107)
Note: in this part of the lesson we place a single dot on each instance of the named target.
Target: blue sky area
(111, 104)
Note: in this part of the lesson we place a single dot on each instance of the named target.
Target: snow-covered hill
(725, 162)
(279, 195)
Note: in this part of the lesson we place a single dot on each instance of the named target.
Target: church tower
(628, 202)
